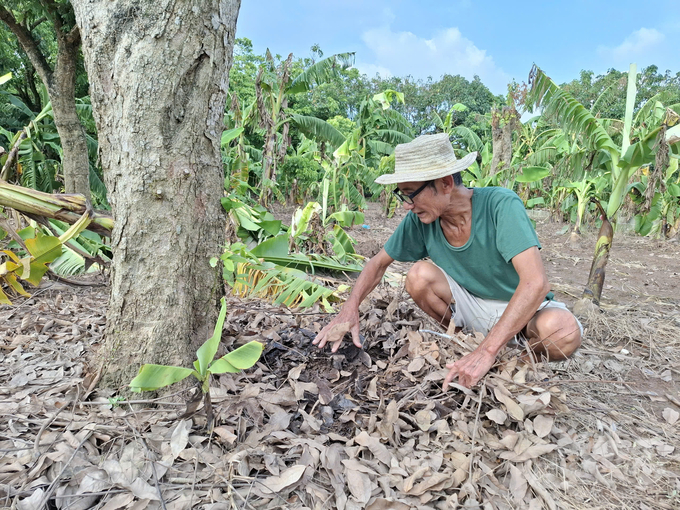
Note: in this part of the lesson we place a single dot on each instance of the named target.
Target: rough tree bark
(503, 123)
(158, 79)
(61, 87)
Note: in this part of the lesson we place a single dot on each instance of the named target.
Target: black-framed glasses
(409, 198)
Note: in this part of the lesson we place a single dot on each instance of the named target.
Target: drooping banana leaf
(275, 250)
(322, 71)
(317, 129)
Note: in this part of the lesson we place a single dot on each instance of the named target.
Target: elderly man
(484, 270)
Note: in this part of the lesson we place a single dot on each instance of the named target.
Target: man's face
(418, 197)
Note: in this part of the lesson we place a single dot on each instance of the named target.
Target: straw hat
(426, 158)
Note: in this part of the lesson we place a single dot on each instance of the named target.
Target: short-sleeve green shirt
(500, 230)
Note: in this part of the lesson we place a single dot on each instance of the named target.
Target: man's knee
(560, 331)
(420, 277)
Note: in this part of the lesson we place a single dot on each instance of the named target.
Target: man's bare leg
(553, 334)
(430, 290)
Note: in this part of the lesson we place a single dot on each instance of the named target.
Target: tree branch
(29, 44)
(53, 12)
(37, 23)
(73, 37)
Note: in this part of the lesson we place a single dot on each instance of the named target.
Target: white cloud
(446, 52)
(637, 45)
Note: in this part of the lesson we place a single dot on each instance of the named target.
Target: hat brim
(458, 166)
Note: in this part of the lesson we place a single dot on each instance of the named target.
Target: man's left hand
(470, 368)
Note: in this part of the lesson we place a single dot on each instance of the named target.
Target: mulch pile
(358, 429)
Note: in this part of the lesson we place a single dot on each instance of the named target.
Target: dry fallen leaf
(119, 501)
(359, 485)
(497, 415)
(518, 484)
(503, 396)
(386, 504)
(227, 435)
(424, 419)
(274, 484)
(671, 415)
(416, 365)
(378, 449)
(180, 437)
(530, 453)
(543, 425)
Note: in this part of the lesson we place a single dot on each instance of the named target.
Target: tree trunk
(158, 77)
(502, 126)
(60, 83)
(75, 161)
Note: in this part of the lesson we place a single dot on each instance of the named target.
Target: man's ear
(447, 183)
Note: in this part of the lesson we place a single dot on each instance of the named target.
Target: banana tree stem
(11, 157)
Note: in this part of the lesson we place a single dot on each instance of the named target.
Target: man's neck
(459, 210)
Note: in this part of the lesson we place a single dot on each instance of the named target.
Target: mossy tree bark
(159, 77)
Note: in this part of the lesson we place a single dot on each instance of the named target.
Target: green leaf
(229, 135)
(346, 218)
(240, 359)
(274, 247)
(532, 174)
(569, 114)
(469, 139)
(344, 240)
(5, 78)
(222, 366)
(317, 129)
(322, 71)
(535, 201)
(152, 377)
(206, 352)
(673, 189)
(43, 250)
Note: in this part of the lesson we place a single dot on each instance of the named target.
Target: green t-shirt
(500, 230)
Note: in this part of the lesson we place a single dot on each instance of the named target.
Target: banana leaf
(275, 250)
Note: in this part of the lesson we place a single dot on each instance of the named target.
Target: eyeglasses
(409, 198)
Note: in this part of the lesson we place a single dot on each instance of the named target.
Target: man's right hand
(334, 332)
(348, 318)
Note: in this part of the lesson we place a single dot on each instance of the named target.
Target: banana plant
(463, 139)
(252, 223)
(257, 275)
(618, 162)
(152, 377)
(584, 190)
(661, 214)
(308, 228)
(65, 207)
(269, 112)
(532, 176)
(266, 268)
(38, 252)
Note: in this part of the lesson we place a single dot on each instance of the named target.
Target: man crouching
(485, 272)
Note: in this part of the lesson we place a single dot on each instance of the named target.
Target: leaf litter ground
(361, 428)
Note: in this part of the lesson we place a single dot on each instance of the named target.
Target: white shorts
(476, 314)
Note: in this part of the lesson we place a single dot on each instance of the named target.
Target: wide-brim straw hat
(426, 158)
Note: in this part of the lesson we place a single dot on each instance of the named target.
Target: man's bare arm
(368, 279)
(531, 291)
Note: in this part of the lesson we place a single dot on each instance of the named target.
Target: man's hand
(470, 368)
(334, 332)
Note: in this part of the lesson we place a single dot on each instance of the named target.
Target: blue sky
(496, 40)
